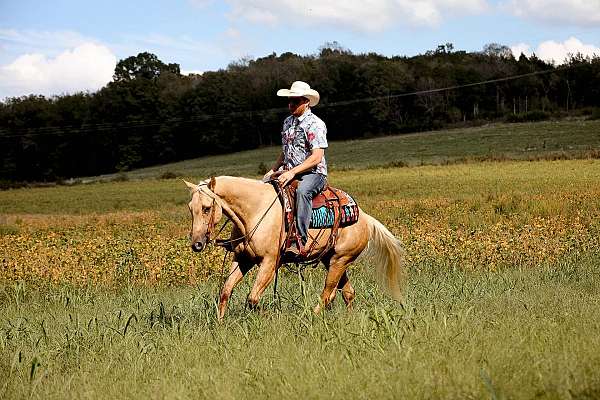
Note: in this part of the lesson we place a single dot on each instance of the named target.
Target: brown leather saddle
(331, 209)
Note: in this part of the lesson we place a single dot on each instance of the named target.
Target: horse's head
(206, 212)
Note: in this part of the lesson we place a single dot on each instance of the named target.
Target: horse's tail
(387, 253)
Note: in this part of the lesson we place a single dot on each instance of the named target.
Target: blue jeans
(309, 185)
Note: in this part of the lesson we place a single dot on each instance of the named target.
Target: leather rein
(227, 244)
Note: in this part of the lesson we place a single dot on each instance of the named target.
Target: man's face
(297, 105)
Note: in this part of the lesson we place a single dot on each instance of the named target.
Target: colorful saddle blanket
(324, 209)
(332, 208)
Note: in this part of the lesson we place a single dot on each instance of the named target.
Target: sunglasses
(296, 100)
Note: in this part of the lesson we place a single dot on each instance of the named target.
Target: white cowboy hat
(301, 89)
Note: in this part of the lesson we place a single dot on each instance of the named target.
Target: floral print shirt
(300, 135)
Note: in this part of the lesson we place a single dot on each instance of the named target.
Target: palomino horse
(257, 238)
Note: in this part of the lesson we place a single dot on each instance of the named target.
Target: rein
(226, 244)
(211, 223)
(247, 237)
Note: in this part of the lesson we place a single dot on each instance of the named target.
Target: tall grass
(505, 334)
(100, 296)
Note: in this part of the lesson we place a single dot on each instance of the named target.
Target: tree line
(151, 114)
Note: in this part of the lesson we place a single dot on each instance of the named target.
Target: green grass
(96, 197)
(503, 297)
(506, 334)
(466, 182)
(499, 141)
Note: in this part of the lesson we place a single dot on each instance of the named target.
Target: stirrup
(295, 252)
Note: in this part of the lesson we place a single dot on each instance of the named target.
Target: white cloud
(551, 50)
(192, 72)
(362, 15)
(521, 48)
(86, 67)
(556, 51)
(579, 12)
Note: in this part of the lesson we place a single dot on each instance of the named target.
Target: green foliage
(150, 114)
(145, 66)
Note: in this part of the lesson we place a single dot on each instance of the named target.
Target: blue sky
(64, 46)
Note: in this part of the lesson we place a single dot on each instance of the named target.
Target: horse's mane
(227, 177)
(258, 184)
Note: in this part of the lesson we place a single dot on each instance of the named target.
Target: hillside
(555, 139)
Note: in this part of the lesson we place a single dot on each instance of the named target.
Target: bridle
(212, 223)
(246, 238)
(211, 220)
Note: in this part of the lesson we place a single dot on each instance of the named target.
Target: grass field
(507, 334)
(100, 296)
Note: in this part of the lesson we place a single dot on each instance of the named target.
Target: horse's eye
(205, 210)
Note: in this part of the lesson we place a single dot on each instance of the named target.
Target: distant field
(499, 141)
(100, 296)
(480, 215)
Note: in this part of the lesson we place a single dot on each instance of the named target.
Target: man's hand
(267, 176)
(271, 175)
(286, 177)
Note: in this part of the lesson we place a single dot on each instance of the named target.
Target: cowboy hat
(301, 89)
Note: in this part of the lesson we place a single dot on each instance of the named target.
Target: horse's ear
(213, 183)
(190, 186)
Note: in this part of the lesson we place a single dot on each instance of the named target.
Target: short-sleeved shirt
(300, 135)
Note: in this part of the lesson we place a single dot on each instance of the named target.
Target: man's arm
(278, 163)
(312, 161)
(275, 167)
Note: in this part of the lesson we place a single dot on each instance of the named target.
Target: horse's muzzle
(198, 246)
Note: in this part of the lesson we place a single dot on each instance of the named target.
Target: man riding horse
(304, 140)
(258, 234)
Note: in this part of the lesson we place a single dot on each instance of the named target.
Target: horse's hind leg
(347, 290)
(335, 272)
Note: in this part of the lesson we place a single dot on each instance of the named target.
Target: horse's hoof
(252, 306)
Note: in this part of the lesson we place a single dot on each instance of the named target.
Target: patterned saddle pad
(324, 209)
(328, 206)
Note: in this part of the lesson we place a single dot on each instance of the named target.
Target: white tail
(387, 253)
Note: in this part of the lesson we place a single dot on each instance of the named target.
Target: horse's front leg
(265, 275)
(236, 273)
